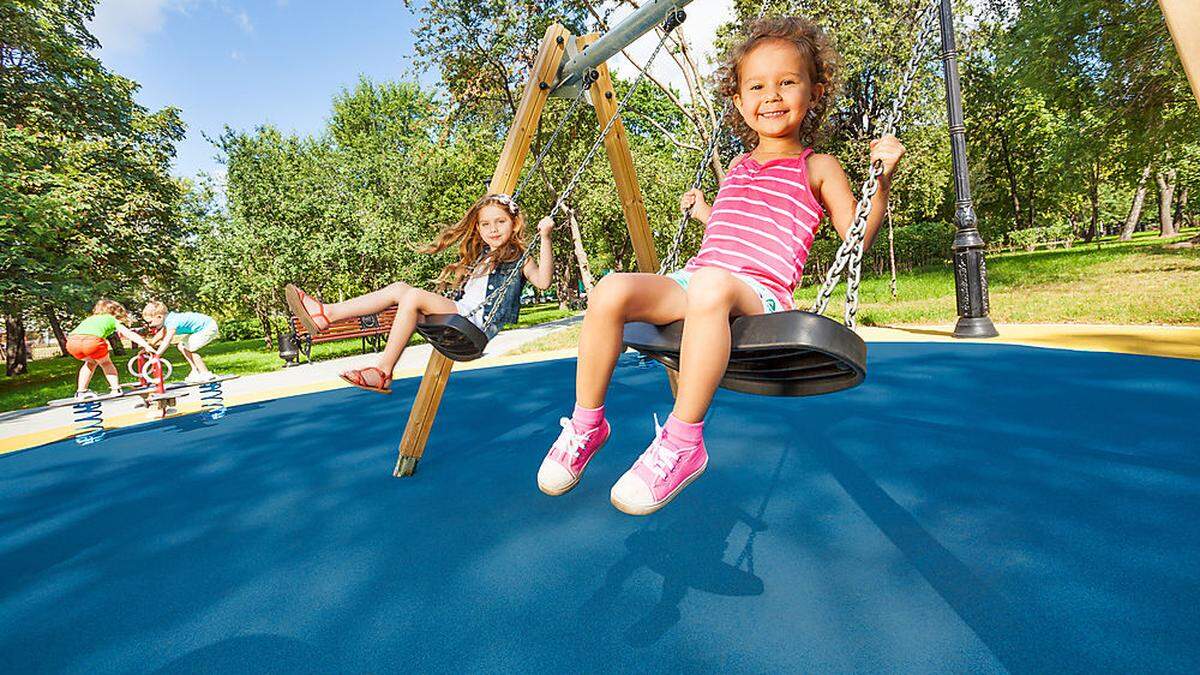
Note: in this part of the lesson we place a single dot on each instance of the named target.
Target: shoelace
(570, 442)
(661, 458)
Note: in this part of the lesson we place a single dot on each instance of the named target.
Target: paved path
(25, 428)
(28, 428)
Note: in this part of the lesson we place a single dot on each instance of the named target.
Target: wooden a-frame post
(508, 169)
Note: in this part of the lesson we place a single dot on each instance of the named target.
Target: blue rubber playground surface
(970, 508)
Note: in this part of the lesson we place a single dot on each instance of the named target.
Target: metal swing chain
(588, 78)
(672, 257)
(850, 252)
(674, 17)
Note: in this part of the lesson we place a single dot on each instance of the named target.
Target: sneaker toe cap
(632, 491)
(553, 476)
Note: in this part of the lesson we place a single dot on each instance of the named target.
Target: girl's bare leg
(713, 296)
(371, 303)
(617, 299)
(413, 304)
(194, 361)
(110, 373)
(85, 375)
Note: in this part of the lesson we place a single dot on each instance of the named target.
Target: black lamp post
(970, 271)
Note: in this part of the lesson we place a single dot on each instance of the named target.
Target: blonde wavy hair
(154, 308)
(116, 309)
(471, 246)
(824, 66)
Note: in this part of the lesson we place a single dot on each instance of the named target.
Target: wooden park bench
(372, 329)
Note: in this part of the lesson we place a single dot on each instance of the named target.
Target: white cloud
(700, 29)
(122, 26)
(235, 55)
(242, 18)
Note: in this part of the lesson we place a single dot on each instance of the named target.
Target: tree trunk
(1012, 181)
(1135, 209)
(1094, 199)
(1181, 210)
(16, 352)
(56, 326)
(1166, 193)
(581, 256)
(265, 322)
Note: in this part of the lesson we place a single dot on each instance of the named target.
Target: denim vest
(510, 302)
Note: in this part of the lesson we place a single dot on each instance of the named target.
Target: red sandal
(299, 302)
(355, 377)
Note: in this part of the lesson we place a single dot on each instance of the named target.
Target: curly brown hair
(116, 309)
(814, 47)
(471, 246)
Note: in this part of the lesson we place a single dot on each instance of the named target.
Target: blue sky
(243, 64)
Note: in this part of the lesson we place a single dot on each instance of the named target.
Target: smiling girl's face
(775, 89)
(495, 225)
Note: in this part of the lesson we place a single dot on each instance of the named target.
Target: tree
(87, 200)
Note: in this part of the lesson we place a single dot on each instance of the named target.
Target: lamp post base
(975, 327)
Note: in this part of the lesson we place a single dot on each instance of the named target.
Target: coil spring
(89, 422)
(212, 400)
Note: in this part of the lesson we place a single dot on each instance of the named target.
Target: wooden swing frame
(537, 91)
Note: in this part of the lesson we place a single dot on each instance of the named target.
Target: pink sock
(584, 419)
(683, 433)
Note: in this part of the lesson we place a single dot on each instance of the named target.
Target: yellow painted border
(20, 442)
(1166, 341)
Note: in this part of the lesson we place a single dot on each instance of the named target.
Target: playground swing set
(794, 353)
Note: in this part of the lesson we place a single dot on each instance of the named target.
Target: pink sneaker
(658, 475)
(569, 456)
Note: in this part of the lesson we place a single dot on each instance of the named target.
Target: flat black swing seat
(454, 336)
(791, 353)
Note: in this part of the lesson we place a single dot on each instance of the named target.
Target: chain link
(850, 251)
(672, 258)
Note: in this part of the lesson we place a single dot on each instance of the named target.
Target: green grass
(1136, 282)
(54, 378)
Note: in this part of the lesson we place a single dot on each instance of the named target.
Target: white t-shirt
(472, 299)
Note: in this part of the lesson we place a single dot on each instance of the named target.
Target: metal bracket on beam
(642, 21)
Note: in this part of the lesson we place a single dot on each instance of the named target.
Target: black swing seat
(792, 353)
(454, 336)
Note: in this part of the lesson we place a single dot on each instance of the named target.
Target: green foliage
(87, 204)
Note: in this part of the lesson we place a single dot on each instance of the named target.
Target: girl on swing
(756, 241)
(490, 239)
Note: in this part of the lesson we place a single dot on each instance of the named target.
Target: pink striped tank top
(762, 224)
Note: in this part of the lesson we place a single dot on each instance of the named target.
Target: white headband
(508, 202)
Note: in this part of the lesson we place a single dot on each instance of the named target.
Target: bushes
(917, 245)
(1031, 237)
(246, 329)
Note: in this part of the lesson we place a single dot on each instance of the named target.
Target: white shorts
(462, 307)
(196, 341)
(770, 303)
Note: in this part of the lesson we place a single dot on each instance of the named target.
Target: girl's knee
(711, 289)
(398, 290)
(612, 292)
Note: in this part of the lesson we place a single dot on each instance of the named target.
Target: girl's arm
(541, 273)
(693, 199)
(168, 333)
(832, 187)
(133, 337)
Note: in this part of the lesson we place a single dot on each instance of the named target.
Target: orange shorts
(85, 347)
